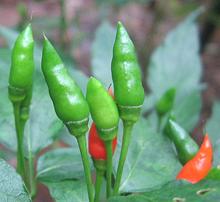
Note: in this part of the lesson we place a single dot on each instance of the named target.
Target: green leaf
(212, 128)
(214, 174)
(150, 161)
(207, 190)
(176, 64)
(60, 164)
(102, 53)
(68, 191)
(11, 185)
(187, 112)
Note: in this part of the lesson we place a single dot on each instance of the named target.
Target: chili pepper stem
(29, 164)
(19, 133)
(108, 145)
(85, 159)
(98, 183)
(124, 150)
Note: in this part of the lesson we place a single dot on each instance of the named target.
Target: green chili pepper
(165, 103)
(185, 146)
(105, 115)
(103, 109)
(128, 89)
(22, 66)
(69, 103)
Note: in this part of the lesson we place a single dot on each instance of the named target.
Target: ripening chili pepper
(69, 103)
(103, 109)
(185, 146)
(97, 151)
(198, 167)
(22, 66)
(96, 145)
(165, 103)
(128, 89)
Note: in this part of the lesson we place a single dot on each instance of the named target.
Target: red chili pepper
(198, 167)
(97, 146)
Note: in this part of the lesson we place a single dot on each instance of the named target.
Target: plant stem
(85, 159)
(98, 183)
(124, 150)
(19, 132)
(108, 145)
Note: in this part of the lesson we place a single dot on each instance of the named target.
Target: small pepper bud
(22, 66)
(128, 89)
(103, 109)
(165, 103)
(69, 103)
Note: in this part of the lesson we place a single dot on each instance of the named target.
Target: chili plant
(149, 133)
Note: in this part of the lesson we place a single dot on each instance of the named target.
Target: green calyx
(165, 103)
(128, 89)
(103, 109)
(185, 146)
(22, 66)
(99, 164)
(69, 103)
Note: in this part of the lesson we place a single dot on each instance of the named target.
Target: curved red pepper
(198, 167)
(97, 146)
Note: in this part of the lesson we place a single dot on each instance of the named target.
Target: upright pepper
(20, 86)
(185, 146)
(69, 103)
(128, 89)
(22, 66)
(198, 167)
(104, 113)
(103, 109)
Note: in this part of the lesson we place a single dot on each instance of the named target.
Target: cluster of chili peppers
(105, 108)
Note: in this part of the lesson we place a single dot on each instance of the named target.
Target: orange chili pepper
(198, 167)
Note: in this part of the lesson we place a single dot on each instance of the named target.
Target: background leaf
(60, 164)
(102, 53)
(212, 128)
(68, 191)
(11, 185)
(176, 63)
(207, 190)
(150, 161)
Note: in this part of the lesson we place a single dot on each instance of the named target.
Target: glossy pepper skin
(165, 103)
(185, 146)
(198, 167)
(96, 145)
(69, 103)
(103, 109)
(22, 66)
(128, 89)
